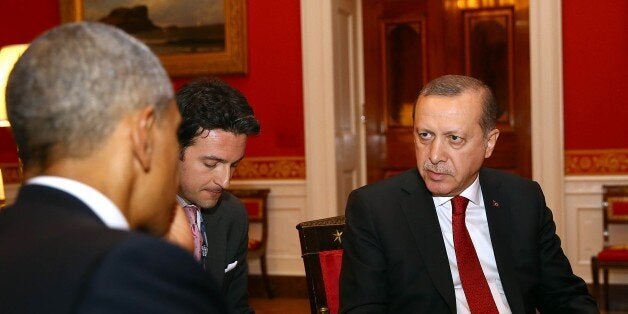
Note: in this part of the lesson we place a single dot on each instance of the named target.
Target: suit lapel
(420, 212)
(497, 213)
(217, 241)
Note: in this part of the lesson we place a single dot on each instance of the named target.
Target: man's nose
(223, 177)
(437, 153)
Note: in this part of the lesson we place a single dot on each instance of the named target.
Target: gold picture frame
(231, 59)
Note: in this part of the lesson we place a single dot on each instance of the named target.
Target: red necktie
(474, 283)
(192, 212)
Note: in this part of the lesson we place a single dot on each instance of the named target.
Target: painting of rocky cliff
(168, 27)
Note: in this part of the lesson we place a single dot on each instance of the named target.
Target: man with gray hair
(450, 236)
(95, 121)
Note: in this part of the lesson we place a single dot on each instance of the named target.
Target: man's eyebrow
(221, 160)
(458, 132)
(423, 130)
(213, 158)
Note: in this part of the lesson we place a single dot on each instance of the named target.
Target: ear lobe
(490, 143)
(141, 134)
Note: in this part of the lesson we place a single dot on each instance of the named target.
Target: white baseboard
(286, 208)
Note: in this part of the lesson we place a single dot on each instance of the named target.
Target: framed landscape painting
(190, 37)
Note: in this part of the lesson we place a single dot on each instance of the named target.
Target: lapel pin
(495, 203)
(337, 236)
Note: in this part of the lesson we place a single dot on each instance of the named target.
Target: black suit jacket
(227, 229)
(395, 260)
(57, 256)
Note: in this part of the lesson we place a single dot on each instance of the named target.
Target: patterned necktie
(474, 283)
(192, 212)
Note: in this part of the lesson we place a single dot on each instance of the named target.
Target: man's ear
(141, 134)
(490, 143)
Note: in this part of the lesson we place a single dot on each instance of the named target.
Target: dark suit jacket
(227, 229)
(395, 260)
(57, 256)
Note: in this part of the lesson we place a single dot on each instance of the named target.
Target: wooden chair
(612, 256)
(255, 201)
(321, 249)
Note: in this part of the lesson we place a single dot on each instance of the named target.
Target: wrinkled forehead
(448, 113)
(467, 102)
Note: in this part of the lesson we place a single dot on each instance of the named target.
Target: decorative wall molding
(276, 168)
(583, 223)
(596, 162)
(286, 208)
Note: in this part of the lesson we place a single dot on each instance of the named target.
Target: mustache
(438, 168)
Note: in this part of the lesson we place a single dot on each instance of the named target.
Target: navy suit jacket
(57, 256)
(227, 229)
(395, 260)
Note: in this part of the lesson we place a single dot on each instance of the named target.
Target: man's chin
(208, 203)
(438, 188)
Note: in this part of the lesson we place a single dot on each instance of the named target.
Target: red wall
(595, 61)
(595, 46)
(273, 84)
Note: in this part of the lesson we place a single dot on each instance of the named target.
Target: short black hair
(209, 104)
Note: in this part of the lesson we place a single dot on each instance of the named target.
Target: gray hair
(73, 85)
(454, 85)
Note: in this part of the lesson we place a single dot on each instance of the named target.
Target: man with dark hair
(216, 121)
(94, 118)
(451, 236)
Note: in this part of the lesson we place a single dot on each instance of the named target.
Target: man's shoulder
(407, 180)
(146, 257)
(106, 242)
(162, 273)
(232, 207)
(505, 178)
(143, 248)
(74, 252)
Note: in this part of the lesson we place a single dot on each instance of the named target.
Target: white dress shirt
(101, 205)
(477, 224)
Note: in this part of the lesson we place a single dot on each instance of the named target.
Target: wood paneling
(445, 25)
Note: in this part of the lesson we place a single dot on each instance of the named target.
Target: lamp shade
(8, 57)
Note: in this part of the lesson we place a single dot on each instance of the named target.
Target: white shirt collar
(102, 206)
(472, 193)
(182, 201)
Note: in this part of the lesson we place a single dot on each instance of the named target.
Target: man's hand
(180, 232)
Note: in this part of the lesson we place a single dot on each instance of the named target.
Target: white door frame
(546, 88)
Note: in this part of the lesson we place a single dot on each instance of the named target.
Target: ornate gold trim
(277, 168)
(596, 162)
(252, 168)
